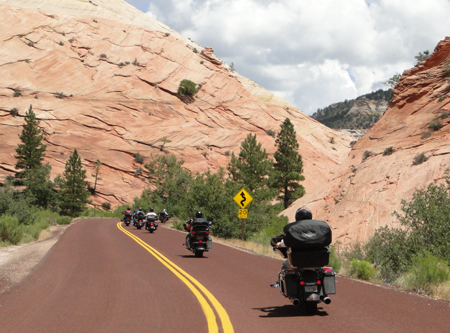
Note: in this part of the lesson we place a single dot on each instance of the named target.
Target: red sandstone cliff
(117, 72)
(363, 194)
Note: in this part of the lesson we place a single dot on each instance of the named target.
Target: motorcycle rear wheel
(199, 254)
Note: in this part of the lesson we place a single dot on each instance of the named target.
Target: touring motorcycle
(198, 240)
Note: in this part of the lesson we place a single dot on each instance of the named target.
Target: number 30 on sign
(243, 213)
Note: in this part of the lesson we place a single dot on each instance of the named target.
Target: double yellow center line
(195, 286)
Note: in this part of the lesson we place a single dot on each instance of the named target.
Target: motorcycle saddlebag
(329, 282)
(307, 235)
(308, 259)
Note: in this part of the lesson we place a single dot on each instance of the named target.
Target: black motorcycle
(163, 218)
(307, 281)
(151, 224)
(139, 221)
(127, 217)
(198, 240)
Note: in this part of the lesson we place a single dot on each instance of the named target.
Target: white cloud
(311, 53)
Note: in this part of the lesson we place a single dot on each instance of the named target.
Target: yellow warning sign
(243, 213)
(243, 198)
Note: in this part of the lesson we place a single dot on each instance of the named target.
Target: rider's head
(151, 209)
(140, 208)
(128, 208)
(303, 214)
(199, 214)
(164, 210)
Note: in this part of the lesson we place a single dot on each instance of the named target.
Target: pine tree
(289, 165)
(31, 152)
(73, 194)
(252, 167)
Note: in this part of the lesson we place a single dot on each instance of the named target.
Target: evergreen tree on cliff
(288, 165)
(73, 194)
(252, 167)
(31, 152)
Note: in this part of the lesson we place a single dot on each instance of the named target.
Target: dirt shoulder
(16, 262)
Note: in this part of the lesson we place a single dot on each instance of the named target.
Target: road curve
(97, 278)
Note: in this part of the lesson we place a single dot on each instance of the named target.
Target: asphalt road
(103, 277)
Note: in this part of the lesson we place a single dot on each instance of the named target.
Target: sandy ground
(16, 262)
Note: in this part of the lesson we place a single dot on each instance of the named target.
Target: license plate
(311, 289)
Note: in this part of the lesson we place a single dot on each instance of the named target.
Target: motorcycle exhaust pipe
(296, 302)
(327, 300)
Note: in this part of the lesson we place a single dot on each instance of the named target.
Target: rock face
(364, 193)
(103, 77)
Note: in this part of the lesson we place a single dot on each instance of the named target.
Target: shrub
(388, 151)
(14, 112)
(10, 231)
(120, 64)
(195, 50)
(445, 114)
(103, 55)
(425, 272)
(366, 154)
(271, 133)
(17, 93)
(30, 43)
(227, 153)
(167, 34)
(138, 172)
(419, 159)
(435, 125)
(138, 158)
(64, 220)
(187, 88)
(60, 95)
(362, 269)
(426, 134)
(334, 260)
(135, 62)
(332, 141)
(352, 143)
(106, 205)
(61, 43)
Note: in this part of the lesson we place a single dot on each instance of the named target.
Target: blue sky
(310, 53)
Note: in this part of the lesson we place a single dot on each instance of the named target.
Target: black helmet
(128, 208)
(140, 208)
(199, 214)
(151, 209)
(303, 214)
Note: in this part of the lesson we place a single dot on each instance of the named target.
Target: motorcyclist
(152, 215)
(188, 225)
(278, 242)
(126, 212)
(164, 214)
(139, 214)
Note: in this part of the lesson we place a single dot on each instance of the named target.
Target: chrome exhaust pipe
(296, 302)
(327, 300)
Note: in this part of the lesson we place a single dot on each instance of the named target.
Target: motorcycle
(198, 240)
(308, 281)
(127, 219)
(151, 225)
(139, 221)
(163, 218)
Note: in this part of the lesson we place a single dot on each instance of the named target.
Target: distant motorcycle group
(139, 219)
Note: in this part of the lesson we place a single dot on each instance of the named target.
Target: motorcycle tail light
(302, 283)
(193, 232)
(319, 282)
(207, 232)
(200, 241)
(151, 223)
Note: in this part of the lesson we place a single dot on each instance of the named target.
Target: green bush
(362, 269)
(187, 88)
(367, 154)
(14, 112)
(335, 262)
(435, 125)
(445, 115)
(10, 230)
(103, 56)
(64, 220)
(419, 159)
(425, 272)
(138, 158)
(178, 225)
(106, 205)
(426, 135)
(388, 151)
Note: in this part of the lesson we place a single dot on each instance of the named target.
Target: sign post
(242, 198)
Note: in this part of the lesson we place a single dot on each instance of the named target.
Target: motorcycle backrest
(308, 259)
